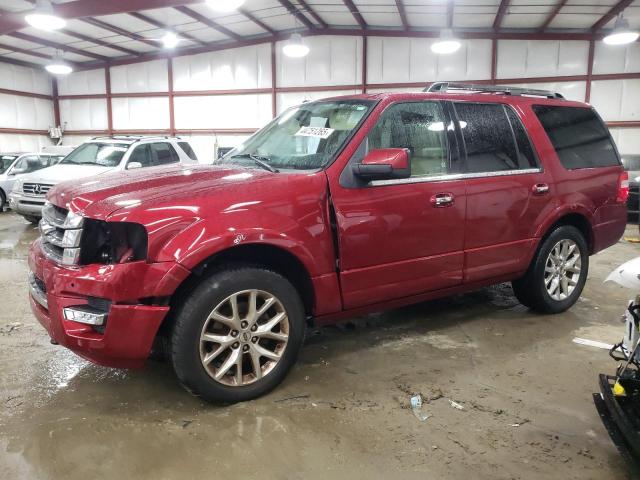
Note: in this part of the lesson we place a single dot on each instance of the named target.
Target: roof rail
(130, 137)
(502, 89)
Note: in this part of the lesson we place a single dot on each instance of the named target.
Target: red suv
(336, 208)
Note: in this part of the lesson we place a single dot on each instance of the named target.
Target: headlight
(17, 186)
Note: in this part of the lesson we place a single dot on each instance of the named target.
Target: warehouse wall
(219, 98)
(26, 108)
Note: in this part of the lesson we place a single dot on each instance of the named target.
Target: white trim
(453, 177)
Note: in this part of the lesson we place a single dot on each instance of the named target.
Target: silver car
(15, 165)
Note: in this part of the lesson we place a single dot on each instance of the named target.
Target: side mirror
(384, 164)
(132, 165)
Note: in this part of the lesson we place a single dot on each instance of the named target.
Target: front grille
(36, 189)
(60, 238)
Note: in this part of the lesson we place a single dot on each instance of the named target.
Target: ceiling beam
(307, 8)
(58, 46)
(120, 31)
(97, 41)
(297, 14)
(88, 8)
(502, 10)
(257, 21)
(403, 14)
(208, 22)
(163, 26)
(22, 63)
(611, 14)
(356, 13)
(552, 15)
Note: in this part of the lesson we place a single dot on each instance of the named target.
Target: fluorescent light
(58, 66)
(621, 33)
(225, 5)
(170, 40)
(44, 18)
(446, 44)
(295, 48)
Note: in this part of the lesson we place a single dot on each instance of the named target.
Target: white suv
(95, 157)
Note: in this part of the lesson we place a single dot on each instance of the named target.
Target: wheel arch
(576, 220)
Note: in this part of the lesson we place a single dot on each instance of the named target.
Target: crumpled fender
(627, 274)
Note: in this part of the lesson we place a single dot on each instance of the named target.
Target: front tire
(557, 274)
(31, 219)
(237, 335)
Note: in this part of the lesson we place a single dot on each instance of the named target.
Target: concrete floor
(343, 411)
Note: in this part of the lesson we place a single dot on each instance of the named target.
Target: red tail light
(623, 188)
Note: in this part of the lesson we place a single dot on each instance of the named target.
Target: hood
(627, 275)
(180, 185)
(63, 172)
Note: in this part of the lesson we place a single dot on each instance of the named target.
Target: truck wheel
(3, 200)
(557, 274)
(237, 335)
(32, 219)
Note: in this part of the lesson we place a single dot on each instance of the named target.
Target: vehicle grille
(53, 227)
(36, 189)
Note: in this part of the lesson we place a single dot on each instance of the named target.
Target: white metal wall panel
(570, 90)
(616, 58)
(627, 140)
(332, 60)
(82, 83)
(398, 60)
(616, 99)
(84, 114)
(25, 112)
(140, 113)
(222, 111)
(75, 140)
(289, 99)
(140, 77)
(205, 146)
(248, 67)
(10, 142)
(541, 58)
(24, 79)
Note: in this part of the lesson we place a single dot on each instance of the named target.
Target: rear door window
(163, 154)
(578, 135)
(490, 139)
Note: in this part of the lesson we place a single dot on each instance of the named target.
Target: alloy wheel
(562, 269)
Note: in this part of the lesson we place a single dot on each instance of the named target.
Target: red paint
(393, 245)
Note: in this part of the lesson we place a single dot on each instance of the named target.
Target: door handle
(540, 189)
(442, 200)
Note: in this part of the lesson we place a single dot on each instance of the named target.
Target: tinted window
(140, 155)
(418, 126)
(488, 138)
(526, 157)
(163, 153)
(578, 135)
(186, 148)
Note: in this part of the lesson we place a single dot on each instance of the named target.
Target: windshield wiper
(259, 160)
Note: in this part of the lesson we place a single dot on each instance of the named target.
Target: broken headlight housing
(112, 242)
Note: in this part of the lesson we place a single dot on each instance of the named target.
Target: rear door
(395, 240)
(508, 193)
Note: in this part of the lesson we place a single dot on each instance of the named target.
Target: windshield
(6, 161)
(306, 137)
(100, 154)
(31, 163)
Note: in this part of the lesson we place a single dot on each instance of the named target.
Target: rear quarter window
(578, 135)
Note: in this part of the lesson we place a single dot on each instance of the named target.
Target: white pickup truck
(95, 157)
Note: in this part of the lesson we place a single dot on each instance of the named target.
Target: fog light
(84, 315)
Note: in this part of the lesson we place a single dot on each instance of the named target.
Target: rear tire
(557, 274)
(223, 348)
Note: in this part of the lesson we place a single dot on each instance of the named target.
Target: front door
(403, 237)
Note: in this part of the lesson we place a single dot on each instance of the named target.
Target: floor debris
(416, 408)
(456, 405)
(592, 343)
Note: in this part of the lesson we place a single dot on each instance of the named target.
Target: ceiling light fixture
(44, 18)
(621, 33)
(295, 47)
(447, 43)
(58, 66)
(225, 5)
(170, 40)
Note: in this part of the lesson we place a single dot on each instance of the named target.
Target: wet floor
(524, 388)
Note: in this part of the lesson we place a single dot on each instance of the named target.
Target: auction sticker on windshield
(317, 132)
